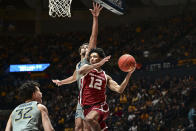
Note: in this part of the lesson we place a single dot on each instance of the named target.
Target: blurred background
(160, 34)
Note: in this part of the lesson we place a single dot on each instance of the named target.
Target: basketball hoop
(59, 8)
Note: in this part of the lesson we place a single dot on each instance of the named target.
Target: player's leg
(86, 127)
(78, 124)
(92, 120)
(79, 116)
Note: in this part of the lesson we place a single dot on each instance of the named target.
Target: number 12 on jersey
(95, 83)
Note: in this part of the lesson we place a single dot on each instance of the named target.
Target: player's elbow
(93, 36)
(73, 79)
(93, 41)
(120, 91)
(52, 129)
(49, 128)
(81, 71)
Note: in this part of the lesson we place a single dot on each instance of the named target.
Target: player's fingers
(101, 8)
(133, 69)
(98, 5)
(91, 10)
(108, 57)
(93, 4)
(135, 66)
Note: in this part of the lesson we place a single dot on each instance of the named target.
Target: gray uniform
(26, 117)
(79, 110)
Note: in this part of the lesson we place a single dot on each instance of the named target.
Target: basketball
(126, 62)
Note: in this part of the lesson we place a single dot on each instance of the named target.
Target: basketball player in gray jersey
(84, 50)
(31, 114)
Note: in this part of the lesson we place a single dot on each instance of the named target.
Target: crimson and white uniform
(93, 88)
(92, 93)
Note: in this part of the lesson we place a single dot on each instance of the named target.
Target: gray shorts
(79, 112)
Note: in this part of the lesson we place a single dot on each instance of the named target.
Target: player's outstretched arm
(68, 80)
(87, 68)
(9, 124)
(113, 85)
(93, 38)
(45, 118)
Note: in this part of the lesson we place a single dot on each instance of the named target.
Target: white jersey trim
(81, 89)
(104, 128)
(101, 109)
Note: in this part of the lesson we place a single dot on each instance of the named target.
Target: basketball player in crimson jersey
(93, 89)
(84, 50)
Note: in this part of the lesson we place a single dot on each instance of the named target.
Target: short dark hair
(27, 89)
(86, 43)
(99, 51)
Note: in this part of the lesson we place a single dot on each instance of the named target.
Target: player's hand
(132, 69)
(103, 61)
(96, 9)
(57, 82)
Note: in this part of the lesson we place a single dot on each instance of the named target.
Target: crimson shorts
(103, 110)
(103, 126)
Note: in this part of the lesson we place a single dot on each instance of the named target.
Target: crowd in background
(169, 39)
(153, 105)
(146, 105)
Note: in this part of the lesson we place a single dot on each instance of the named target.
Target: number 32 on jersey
(23, 113)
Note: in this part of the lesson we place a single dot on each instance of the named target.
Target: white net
(60, 8)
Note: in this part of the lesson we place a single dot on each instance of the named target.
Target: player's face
(94, 58)
(37, 95)
(83, 50)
